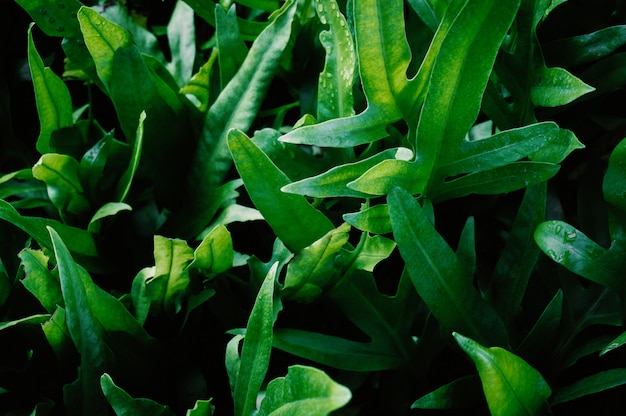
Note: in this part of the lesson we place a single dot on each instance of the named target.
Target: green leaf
(511, 386)
(438, 275)
(461, 393)
(545, 330)
(198, 88)
(520, 254)
(596, 383)
(125, 405)
(257, 347)
(80, 242)
(612, 189)
(61, 175)
(139, 293)
(293, 219)
(107, 210)
(304, 390)
(30, 320)
(206, 10)
(231, 48)
(201, 408)
(170, 284)
(125, 182)
(54, 17)
(102, 39)
(181, 36)
(586, 48)
(39, 280)
(235, 108)
(215, 253)
(372, 219)
(459, 77)
(573, 250)
(333, 183)
(84, 329)
(315, 268)
(616, 343)
(334, 91)
(554, 87)
(54, 104)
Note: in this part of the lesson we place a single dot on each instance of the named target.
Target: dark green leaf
(257, 346)
(461, 393)
(55, 17)
(438, 275)
(125, 405)
(596, 383)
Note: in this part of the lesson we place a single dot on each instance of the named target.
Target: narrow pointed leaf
(39, 280)
(85, 330)
(257, 346)
(232, 50)
(438, 275)
(554, 87)
(461, 393)
(235, 108)
(460, 75)
(293, 219)
(596, 383)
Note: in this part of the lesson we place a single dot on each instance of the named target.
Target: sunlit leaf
(511, 386)
(304, 390)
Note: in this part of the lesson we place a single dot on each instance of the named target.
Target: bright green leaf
(39, 280)
(215, 253)
(304, 390)
(54, 104)
(317, 267)
(461, 393)
(554, 87)
(511, 386)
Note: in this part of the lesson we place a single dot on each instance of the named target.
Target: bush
(313, 207)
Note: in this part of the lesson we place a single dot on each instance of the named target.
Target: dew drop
(553, 255)
(52, 20)
(333, 5)
(558, 229)
(60, 28)
(42, 11)
(61, 5)
(569, 237)
(320, 8)
(323, 19)
(342, 22)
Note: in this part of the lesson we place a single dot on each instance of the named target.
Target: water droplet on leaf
(60, 29)
(52, 20)
(569, 237)
(558, 229)
(42, 11)
(61, 5)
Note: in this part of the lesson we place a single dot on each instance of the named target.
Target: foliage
(313, 207)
